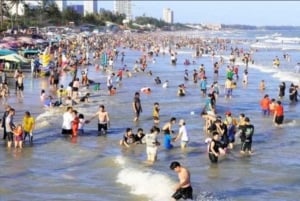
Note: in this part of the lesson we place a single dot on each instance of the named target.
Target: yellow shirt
(28, 123)
(155, 112)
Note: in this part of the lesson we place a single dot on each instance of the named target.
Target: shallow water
(97, 168)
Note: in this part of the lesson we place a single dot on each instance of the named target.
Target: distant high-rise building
(61, 4)
(123, 7)
(77, 8)
(168, 15)
(90, 6)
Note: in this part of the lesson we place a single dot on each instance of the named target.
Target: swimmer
(184, 188)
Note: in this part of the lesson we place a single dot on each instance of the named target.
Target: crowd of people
(221, 133)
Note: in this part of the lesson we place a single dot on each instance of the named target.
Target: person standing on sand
(184, 188)
(103, 120)
(136, 105)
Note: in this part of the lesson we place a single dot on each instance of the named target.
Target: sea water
(96, 168)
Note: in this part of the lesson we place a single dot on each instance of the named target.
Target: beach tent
(4, 52)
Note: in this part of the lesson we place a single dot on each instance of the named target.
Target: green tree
(4, 11)
(107, 15)
(143, 20)
(53, 13)
(16, 4)
(71, 15)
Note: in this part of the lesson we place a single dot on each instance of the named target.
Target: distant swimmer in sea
(262, 85)
(146, 90)
(181, 90)
(157, 80)
(165, 84)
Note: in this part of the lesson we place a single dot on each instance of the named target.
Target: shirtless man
(103, 120)
(183, 189)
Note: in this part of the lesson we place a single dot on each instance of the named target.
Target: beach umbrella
(37, 41)
(4, 52)
(8, 39)
(14, 58)
(14, 44)
(10, 57)
(21, 58)
(25, 39)
(4, 46)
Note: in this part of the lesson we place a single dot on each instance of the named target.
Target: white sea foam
(290, 123)
(155, 185)
(287, 76)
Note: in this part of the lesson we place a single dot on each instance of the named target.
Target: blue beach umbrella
(4, 52)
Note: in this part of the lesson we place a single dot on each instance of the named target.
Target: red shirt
(279, 110)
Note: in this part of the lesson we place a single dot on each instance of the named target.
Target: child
(43, 96)
(113, 91)
(262, 85)
(155, 113)
(75, 124)
(18, 133)
(81, 124)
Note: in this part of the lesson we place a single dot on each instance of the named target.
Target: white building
(168, 15)
(123, 7)
(90, 6)
(61, 4)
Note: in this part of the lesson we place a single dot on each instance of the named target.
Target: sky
(257, 13)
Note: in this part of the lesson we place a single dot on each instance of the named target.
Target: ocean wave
(146, 182)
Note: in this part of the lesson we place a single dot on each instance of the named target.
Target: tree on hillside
(71, 15)
(4, 11)
(143, 20)
(52, 13)
(107, 15)
(16, 3)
